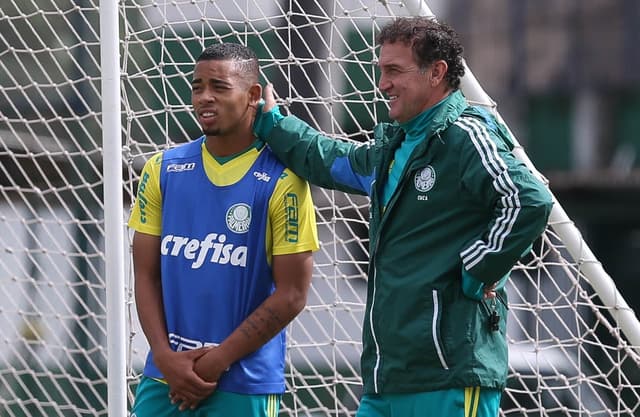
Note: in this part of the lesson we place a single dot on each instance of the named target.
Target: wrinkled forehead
(396, 54)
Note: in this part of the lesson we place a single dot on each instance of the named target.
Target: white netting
(568, 357)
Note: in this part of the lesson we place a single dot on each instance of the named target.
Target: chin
(211, 132)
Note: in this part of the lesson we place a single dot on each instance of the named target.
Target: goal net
(573, 341)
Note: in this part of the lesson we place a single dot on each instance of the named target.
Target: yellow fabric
(146, 213)
(471, 399)
(273, 402)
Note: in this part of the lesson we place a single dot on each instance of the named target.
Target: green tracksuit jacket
(464, 203)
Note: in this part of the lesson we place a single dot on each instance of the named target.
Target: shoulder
(290, 182)
(291, 191)
(477, 127)
(184, 150)
(385, 132)
(152, 166)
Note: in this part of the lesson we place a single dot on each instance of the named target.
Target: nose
(384, 84)
(207, 95)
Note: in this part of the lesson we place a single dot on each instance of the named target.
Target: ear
(255, 94)
(438, 72)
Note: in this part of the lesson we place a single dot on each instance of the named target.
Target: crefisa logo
(239, 218)
(425, 179)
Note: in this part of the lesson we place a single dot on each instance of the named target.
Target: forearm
(151, 314)
(265, 322)
(148, 290)
(494, 255)
(517, 203)
(292, 278)
(313, 156)
(304, 150)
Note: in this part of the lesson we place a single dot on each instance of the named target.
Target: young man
(452, 211)
(222, 255)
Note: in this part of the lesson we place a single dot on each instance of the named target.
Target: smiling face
(410, 89)
(224, 100)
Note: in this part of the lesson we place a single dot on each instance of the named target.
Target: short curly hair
(430, 40)
(243, 57)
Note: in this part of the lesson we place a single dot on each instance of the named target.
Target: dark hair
(244, 58)
(430, 40)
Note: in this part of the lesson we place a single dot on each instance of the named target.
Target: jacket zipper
(383, 216)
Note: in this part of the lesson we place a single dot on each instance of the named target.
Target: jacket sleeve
(323, 161)
(518, 203)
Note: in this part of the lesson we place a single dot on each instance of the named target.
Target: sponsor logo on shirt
(183, 343)
(262, 176)
(291, 210)
(189, 166)
(142, 199)
(213, 248)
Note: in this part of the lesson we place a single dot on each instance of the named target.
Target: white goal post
(90, 89)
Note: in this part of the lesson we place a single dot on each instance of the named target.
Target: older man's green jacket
(464, 204)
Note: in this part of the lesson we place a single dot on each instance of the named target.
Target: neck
(222, 146)
(437, 98)
(234, 139)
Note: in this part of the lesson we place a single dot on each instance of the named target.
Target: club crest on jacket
(425, 179)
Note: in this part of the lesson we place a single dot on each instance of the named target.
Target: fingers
(490, 292)
(192, 398)
(195, 354)
(269, 98)
(183, 402)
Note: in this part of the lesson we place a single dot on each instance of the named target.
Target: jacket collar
(443, 117)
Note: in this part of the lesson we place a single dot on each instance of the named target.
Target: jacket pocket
(435, 329)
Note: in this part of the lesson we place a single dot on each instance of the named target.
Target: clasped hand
(192, 375)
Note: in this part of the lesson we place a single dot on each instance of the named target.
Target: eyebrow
(214, 81)
(394, 66)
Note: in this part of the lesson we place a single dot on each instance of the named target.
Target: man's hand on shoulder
(269, 98)
(267, 115)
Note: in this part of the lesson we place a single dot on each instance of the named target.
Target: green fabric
(450, 402)
(474, 288)
(152, 400)
(257, 144)
(420, 332)
(415, 130)
(265, 121)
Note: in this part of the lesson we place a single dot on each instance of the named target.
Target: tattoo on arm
(274, 322)
(270, 323)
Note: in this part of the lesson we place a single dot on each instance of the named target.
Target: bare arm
(148, 290)
(292, 276)
(177, 367)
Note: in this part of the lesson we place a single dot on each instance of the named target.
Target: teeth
(207, 114)
(393, 97)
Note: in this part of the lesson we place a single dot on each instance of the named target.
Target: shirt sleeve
(322, 160)
(146, 213)
(518, 203)
(292, 216)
